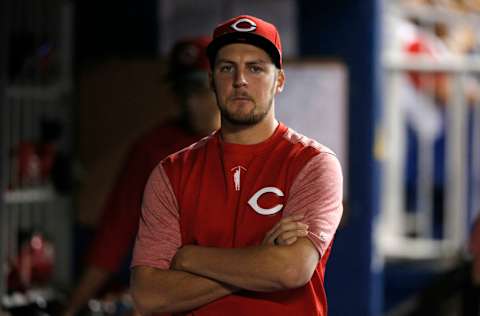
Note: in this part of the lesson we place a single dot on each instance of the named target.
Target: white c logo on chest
(253, 202)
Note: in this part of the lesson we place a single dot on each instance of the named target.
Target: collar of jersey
(244, 150)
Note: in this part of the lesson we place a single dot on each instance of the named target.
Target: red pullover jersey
(225, 195)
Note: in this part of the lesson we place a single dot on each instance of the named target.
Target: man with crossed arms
(241, 222)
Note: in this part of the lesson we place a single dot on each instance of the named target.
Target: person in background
(112, 245)
(243, 221)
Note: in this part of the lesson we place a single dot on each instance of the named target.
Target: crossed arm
(199, 275)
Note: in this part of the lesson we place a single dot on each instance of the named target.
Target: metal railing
(408, 235)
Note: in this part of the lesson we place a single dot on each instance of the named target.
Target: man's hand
(286, 231)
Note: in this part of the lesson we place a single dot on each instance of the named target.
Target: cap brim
(247, 38)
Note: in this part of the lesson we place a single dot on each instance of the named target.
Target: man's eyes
(226, 68)
(230, 68)
(256, 69)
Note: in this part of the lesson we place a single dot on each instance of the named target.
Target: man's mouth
(241, 98)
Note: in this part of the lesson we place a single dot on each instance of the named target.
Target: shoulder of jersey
(181, 154)
(301, 140)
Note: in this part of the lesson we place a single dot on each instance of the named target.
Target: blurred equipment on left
(36, 146)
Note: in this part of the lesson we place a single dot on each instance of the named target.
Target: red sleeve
(118, 226)
(317, 192)
(158, 237)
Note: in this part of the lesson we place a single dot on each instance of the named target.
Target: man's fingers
(287, 227)
(290, 226)
(295, 217)
(285, 238)
(282, 225)
(292, 233)
(290, 241)
(289, 223)
(270, 236)
(288, 219)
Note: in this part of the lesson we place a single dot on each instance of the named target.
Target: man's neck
(249, 135)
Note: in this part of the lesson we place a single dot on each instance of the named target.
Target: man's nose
(240, 79)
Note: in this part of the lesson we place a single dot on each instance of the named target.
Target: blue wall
(347, 30)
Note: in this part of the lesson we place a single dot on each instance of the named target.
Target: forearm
(262, 268)
(167, 291)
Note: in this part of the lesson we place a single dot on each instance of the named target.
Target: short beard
(249, 119)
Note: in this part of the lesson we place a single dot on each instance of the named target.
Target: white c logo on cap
(236, 26)
(253, 202)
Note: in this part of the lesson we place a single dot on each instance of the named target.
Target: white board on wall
(314, 103)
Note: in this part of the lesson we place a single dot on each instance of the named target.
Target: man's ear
(280, 81)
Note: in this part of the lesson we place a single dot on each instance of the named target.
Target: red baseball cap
(247, 29)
